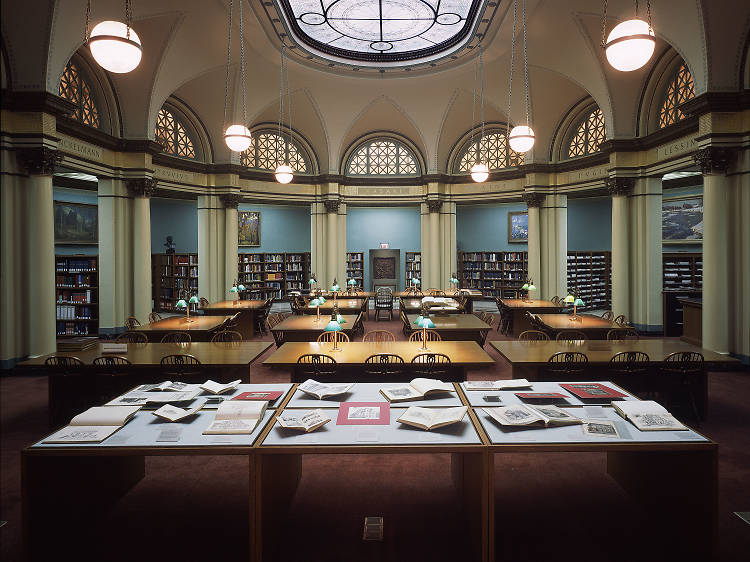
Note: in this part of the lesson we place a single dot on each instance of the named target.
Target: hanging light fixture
(631, 43)
(479, 171)
(114, 45)
(236, 135)
(521, 137)
(284, 172)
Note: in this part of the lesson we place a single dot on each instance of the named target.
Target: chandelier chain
(229, 58)
(88, 22)
(474, 113)
(288, 109)
(648, 15)
(512, 59)
(242, 67)
(128, 18)
(525, 65)
(481, 93)
(604, 25)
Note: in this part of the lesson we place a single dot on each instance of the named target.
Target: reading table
(595, 327)
(305, 327)
(200, 328)
(414, 305)
(345, 305)
(248, 310)
(518, 308)
(452, 327)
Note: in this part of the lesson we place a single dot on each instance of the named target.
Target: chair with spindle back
(680, 375)
(327, 337)
(232, 322)
(622, 320)
(489, 318)
(176, 337)
(132, 337)
(131, 322)
(203, 301)
(608, 315)
(431, 365)
(533, 335)
(406, 327)
(316, 366)
(622, 334)
(109, 381)
(435, 293)
(358, 328)
(365, 308)
(226, 336)
(153, 317)
(570, 336)
(629, 362)
(432, 335)
(565, 365)
(381, 365)
(181, 365)
(555, 299)
(383, 302)
(67, 374)
(379, 336)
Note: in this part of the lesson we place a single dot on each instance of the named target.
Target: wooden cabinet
(590, 279)
(77, 295)
(355, 269)
(172, 275)
(272, 275)
(412, 268)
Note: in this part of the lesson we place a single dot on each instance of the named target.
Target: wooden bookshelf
(496, 274)
(590, 279)
(683, 277)
(172, 274)
(272, 275)
(77, 295)
(355, 269)
(412, 267)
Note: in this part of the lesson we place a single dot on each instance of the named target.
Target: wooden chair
(181, 364)
(66, 371)
(232, 322)
(489, 318)
(261, 315)
(479, 314)
(132, 337)
(109, 381)
(327, 337)
(384, 364)
(629, 362)
(111, 361)
(365, 308)
(555, 299)
(176, 337)
(153, 317)
(131, 323)
(533, 335)
(567, 364)
(622, 320)
(432, 335)
(608, 315)
(406, 327)
(226, 336)
(622, 334)
(203, 301)
(383, 302)
(431, 365)
(358, 328)
(680, 376)
(435, 293)
(379, 336)
(570, 336)
(65, 363)
(279, 337)
(314, 366)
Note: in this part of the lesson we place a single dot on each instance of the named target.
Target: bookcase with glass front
(76, 295)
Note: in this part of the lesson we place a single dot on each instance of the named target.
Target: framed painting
(518, 227)
(682, 220)
(248, 228)
(76, 223)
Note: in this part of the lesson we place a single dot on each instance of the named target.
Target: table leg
(471, 477)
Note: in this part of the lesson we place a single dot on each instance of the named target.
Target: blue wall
(484, 228)
(367, 227)
(590, 224)
(177, 218)
(75, 196)
(283, 228)
(681, 192)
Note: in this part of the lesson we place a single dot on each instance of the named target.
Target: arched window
(588, 134)
(172, 135)
(382, 157)
(491, 149)
(74, 88)
(680, 89)
(268, 150)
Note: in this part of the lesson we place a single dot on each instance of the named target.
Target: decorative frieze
(533, 199)
(620, 186)
(141, 187)
(713, 159)
(39, 161)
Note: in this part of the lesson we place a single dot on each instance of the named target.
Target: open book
(322, 390)
(236, 418)
(432, 418)
(218, 388)
(497, 385)
(648, 415)
(166, 386)
(94, 425)
(523, 414)
(416, 389)
(173, 413)
(304, 422)
(140, 398)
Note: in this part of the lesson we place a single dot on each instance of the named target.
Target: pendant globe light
(631, 43)
(236, 135)
(114, 45)
(479, 171)
(521, 137)
(284, 172)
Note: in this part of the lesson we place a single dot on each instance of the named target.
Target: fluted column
(231, 243)
(211, 255)
(141, 190)
(646, 279)
(332, 245)
(714, 163)
(533, 203)
(554, 246)
(318, 230)
(432, 255)
(447, 243)
(620, 189)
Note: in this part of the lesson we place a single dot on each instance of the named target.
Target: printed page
(229, 426)
(82, 434)
(482, 385)
(450, 415)
(219, 388)
(415, 415)
(307, 422)
(631, 407)
(240, 410)
(173, 413)
(105, 415)
(398, 393)
(426, 385)
(513, 415)
(553, 415)
(600, 428)
(513, 383)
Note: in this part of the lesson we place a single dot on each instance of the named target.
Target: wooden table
(452, 327)
(222, 362)
(529, 359)
(692, 320)
(595, 327)
(413, 304)
(305, 327)
(517, 308)
(248, 312)
(200, 328)
(342, 294)
(346, 306)
(463, 354)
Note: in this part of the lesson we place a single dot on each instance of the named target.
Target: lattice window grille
(74, 88)
(172, 135)
(680, 89)
(268, 150)
(493, 150)
(382, 157)
(588, 136)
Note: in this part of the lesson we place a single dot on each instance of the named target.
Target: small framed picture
(518, 227)
(682, 220)
(248, 228)
(76, 223)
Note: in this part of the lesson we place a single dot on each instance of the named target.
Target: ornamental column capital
(714, 160)
(533, 199)
(39, 161)
(620, 186)
(332, 204)
(434, 204)
(141, 187)
(230, 200)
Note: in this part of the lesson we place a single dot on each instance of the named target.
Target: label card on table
(170, 434)
(367, 436)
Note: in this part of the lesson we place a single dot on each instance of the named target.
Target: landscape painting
(76, 223)
(518, 227)
(248, 228)
(682, 219)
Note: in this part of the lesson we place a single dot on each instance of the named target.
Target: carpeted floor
(559, 506)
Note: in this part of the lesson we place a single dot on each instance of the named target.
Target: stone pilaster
(620, 189)
(534, 203)
(141, 190)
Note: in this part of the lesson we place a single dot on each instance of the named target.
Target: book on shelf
(94, 425)
(306, 422)
(267, 395)
(432, 418)
(648, 415)
(592, 390)
(219, 388)
(174, 413)
(524, 415)
(416, 390)
(323, 390)
(236, 418)
(497, 385)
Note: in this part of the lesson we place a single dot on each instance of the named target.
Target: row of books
(74, 296)
(75, 265)
(494, 256)
(191, 283)
(74, 312)
(73, 329)
(75, 281)
(186, 271)
(519, 275)
(186, 260)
